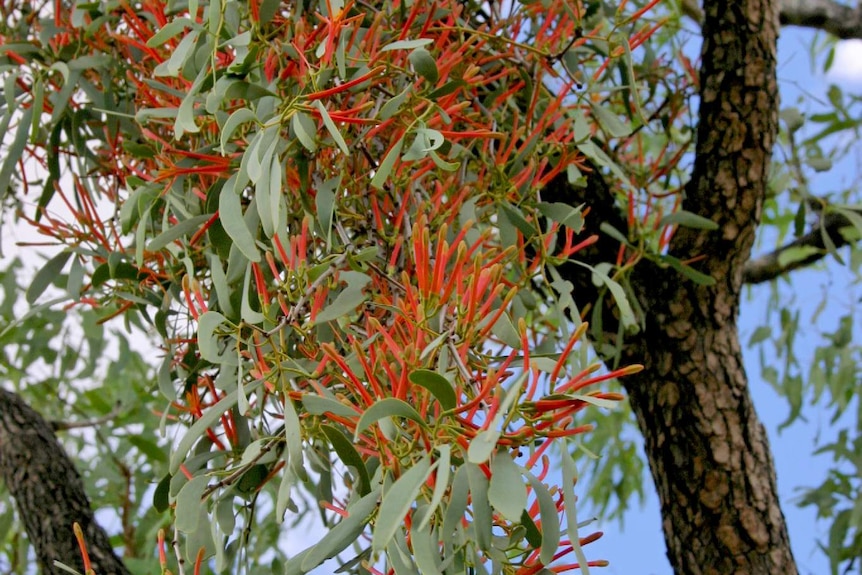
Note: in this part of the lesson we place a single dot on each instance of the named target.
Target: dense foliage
(335, 218)
(331, 216)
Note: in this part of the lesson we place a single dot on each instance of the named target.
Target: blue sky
(640, 548)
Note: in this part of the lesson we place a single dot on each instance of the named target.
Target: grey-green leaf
(440, 387)
(189, 503)
(397, 501)
(231, 216)
(688, 220)
(507, 492)
(388, 407)
(47, 274)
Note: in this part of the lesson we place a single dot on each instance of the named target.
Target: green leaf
(507, 492)
(482, 518)
(236, 119)
(324, 201)
(46, 275)
(177, 231)
(514, 215)
(349, 456)
(795, 254)
(397, 501)
(610, 122)
(426, 549)
(563, 214)
(406, 44)
(424, 64)
(388, 407)
(209, 418)
(385, 168)
(441, 485)
(440, 387)
(482, 446)
(689, 272)
(348, 300)
(550, 520)
(688, 220)
(305, 130)
(570, 476)
(394, 104)
(189, 503)
(208, 339)
(332, 128)
(317, 405)
(14, 152)
(231, 217)
(338, 538)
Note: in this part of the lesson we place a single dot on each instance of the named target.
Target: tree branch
(840, 20)
(769, 266)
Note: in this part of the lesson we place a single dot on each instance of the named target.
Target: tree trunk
(48, 492)
(708, 453)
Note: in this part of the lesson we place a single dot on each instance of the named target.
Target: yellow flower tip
(632, 369)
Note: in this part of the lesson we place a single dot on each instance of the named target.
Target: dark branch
(840, 20)
(769, 266)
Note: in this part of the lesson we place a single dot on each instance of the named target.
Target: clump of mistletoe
(331, 213)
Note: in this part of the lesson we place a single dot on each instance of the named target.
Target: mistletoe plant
(331, 213)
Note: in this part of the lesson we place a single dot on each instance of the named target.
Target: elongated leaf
(338, 538)
(570, 477)
(507, 492)
(481, 508)
(207, 420)
(305, 130)
(550, 520)
(688, 220)
(317, 405)
(208, 341)
(332, 128)
(231, 216)
(424, 64)
(441, 484)
(388, 407)
(397, 501)
(385, 168)
(426, 550)
(15, 150)
(46, 274)
(483, 445)
(177, 231)
(348, 300)
(348, 454)
(610, 122)
(440, 387)
(236, 119)
(189, 503)
(406, 44)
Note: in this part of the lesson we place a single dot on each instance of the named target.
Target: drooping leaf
(397, 501)
(507, 492)
(387, 407)
(440, 387)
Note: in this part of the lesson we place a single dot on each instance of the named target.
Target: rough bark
(840, 20)
(48, 492)
(708, 452)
